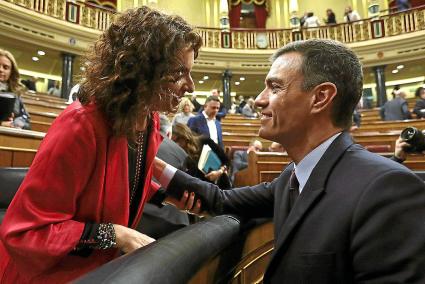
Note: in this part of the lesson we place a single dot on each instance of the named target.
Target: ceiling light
(206, 77)
(242, 78)
(200, 82)
(394, 71)
(35, 58)
(400, 66)
(237, 83)
(82, 68)
(41, 53)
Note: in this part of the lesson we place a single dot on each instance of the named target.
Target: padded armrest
(10, 180)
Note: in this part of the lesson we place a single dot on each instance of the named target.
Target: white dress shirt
(211, 127)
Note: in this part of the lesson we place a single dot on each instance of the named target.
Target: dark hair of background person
(14, 83)
(330, 61)
(418, 92)
(212, 98)
(130, 62)
(192, 145)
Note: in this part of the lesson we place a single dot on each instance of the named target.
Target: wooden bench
(19, 138)
(42, 116)
(16, 157)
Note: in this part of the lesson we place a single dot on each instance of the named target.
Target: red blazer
(80, 174)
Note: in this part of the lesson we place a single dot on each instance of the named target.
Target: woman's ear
(323, 96)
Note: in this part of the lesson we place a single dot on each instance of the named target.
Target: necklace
(139, 160)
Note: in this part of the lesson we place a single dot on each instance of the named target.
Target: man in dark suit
(396, 109)
(240, 158)
(341, 214)
(206, 124)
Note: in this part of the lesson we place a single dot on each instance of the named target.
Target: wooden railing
(77, 12)
(367, 29)
(99, 18)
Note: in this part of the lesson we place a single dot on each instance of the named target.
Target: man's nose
(262, 99)
(189, 84)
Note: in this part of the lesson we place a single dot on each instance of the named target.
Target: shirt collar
(206, 116)
(306, 165)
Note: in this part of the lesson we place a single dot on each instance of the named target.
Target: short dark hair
(212, 98)
(330, 61)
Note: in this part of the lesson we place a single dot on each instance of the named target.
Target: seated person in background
(249, 109)
(240, 158)
(30, 84)
(55, 90)
(242, 103)
(276, 147)
(206, 124)
(184, 112)
(419, 108)
(193, 144)
(396, 109)
(9, 82)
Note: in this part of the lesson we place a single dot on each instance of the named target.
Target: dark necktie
(293, 190)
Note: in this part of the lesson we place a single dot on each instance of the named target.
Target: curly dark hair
(130, 62)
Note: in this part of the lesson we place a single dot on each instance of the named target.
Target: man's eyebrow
(270, 80)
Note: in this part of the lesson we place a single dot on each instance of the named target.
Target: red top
(80, 174)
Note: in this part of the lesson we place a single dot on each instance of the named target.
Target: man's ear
(323, 96)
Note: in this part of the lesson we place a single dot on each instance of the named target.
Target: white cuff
(167, 175)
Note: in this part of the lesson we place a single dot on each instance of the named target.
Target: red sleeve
(39, 228)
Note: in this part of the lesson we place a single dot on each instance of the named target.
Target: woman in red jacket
(88, 183)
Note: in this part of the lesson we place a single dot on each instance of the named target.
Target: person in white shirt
(206, 123)
(311, 21)
(351, 15)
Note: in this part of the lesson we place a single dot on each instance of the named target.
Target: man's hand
(186, 203)
(9, 121)
(400, 149)
(214, 175)
(129, 240)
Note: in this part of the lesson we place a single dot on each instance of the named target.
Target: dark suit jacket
(239, 162)
(420, 105)
(359, 219)
(396, 109)
(198, 124)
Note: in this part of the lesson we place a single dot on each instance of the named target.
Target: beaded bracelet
(105, 236)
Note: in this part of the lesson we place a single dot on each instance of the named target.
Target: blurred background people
(311, 21)
(331, 19)
(419, 108)
(351, 15)
(206, 124)
(30, 84)
(396, 109)
(222, 111)
(184, 112)
(276, 147)
(55, 90)
(9, 82)
(403, 5)
(249, 109)
(196, 105)
(240, 158)
(193, 145)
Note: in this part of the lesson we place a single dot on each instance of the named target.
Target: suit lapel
(310, 195)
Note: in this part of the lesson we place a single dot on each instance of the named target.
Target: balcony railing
(366, 29)
(99, 18)
(77, 12)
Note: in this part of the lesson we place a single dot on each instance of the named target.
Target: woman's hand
(129, 240)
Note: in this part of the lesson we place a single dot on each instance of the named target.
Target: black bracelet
(105, 236)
